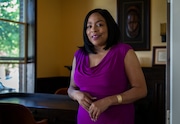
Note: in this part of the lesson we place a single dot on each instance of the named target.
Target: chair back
(62, 91)
(11, 113)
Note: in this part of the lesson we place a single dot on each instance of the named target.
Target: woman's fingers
(86, 103)
(94, 112)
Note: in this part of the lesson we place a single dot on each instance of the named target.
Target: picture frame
(159, 55)
(137, 13)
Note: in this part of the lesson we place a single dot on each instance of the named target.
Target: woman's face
(97, 31)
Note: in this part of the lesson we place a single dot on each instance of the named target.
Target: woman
(106, 76)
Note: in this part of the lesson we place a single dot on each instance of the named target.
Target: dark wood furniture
(51, 84)
(56, 108)
(151, 110)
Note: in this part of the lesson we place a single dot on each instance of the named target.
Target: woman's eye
(99, 25)
(89, 26)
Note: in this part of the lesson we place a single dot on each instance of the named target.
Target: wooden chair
(62, 91)
(11, 113)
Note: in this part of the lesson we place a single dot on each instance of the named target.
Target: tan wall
(59, 31)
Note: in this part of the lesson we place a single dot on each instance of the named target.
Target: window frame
(27, 63)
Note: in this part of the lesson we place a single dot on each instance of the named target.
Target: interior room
(59, 33)
(59, 27)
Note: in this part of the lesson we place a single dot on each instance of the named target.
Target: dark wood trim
(50, 84)
(151, 109)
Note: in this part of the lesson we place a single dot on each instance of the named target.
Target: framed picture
(159, 55)
(133, 17)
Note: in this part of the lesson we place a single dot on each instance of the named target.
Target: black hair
(113, 31)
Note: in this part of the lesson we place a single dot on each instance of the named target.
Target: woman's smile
(95, 37)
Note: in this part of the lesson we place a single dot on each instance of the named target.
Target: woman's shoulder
(80, 51)
(124, 46)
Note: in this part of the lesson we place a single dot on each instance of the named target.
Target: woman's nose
(94, 29)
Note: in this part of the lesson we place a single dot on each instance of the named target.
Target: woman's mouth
(95, 37)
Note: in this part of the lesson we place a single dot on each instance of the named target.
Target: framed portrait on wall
(134, 23)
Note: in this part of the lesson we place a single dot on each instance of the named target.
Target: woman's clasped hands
(93, 106)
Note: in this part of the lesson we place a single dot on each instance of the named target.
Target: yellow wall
(59, 31)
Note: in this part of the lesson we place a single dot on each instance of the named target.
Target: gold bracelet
(119, 97)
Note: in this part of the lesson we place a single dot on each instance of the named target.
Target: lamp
(163, 32)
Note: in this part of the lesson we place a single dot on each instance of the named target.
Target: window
(17, 45)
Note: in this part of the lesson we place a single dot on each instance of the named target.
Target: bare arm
(83, 98)
(72, 87)
(136, 78)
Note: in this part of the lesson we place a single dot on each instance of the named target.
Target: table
(56, 108)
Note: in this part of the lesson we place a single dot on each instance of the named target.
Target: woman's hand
(84, 99)
(97, 107)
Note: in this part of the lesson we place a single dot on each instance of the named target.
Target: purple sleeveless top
(106, 79)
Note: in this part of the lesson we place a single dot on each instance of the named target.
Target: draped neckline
(101, 61)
